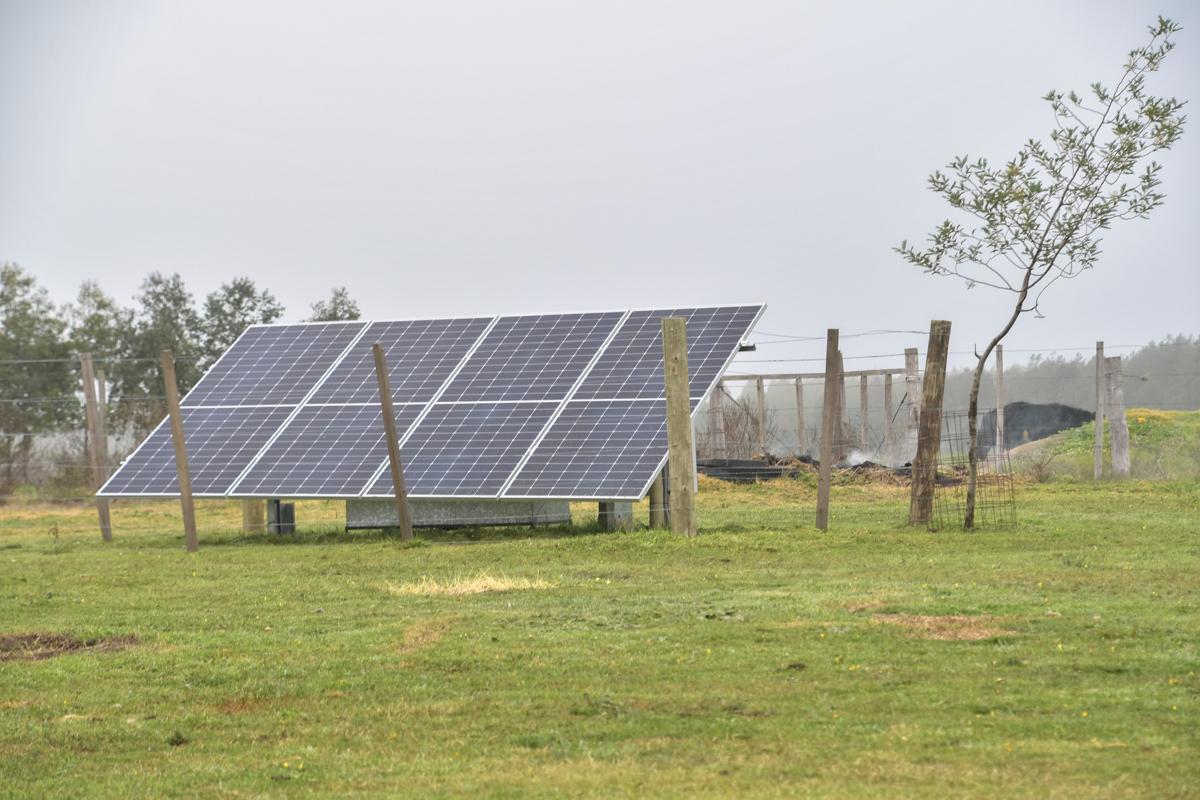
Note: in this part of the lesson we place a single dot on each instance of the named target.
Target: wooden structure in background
(1114, 403)
(828, 424)
(1098, 443)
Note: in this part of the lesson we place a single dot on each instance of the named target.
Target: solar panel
(220, 443)
(532, 357)
(421, 354)
(556, 405)
(325, 451)
(605, 449)
(631, 367)
(467, 449)
(273, 364)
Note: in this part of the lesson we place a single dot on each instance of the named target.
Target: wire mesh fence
(995, 495)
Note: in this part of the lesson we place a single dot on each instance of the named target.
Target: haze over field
(462, 158)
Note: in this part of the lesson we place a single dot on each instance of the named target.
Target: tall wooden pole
(1098, 444)
(191, 542)
(761, 424)
(95, 443)
(829, 420)
(681, 464)
(863, 412)
(841, 430)
(1001, 445)
(801, 432)
(1117, 425)
(393, 445)
(888, 444)
(929, 439)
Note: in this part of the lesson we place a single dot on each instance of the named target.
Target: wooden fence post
(829, 420)
(1117, 425)
(841, 429)
(658, 504)
(681, 464)
(716, 422)
(801, 433)
(102, 419)
(929, 439)
(889, 446)
(99, 457)
(761, 395)
(1098, 443)
(912, 395)
(863, 411)
(393, 445)
(191, 543)
(1001, 445)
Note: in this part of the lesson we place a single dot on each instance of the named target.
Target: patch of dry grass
(950, 628)
(460, 586)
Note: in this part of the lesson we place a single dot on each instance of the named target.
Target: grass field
(763, 659)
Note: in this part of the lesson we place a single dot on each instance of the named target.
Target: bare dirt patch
(951, 628)
(38, 646)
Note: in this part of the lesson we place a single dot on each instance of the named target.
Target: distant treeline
(40, 343)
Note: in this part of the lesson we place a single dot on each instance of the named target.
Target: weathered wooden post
(716, 422)
(801, 433)
(681, 465)
(841, 429)
(929, 439)
(1098, 443)
(1117, 425)
(102, 419)
(393, 445)
(912, 394)
(96, 446)
(889, 446)
(829, 420)
(191, 543)
(761, 423)
(863, 429)
(1001, 445)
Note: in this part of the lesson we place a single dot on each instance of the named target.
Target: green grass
(762, 659)
(1163, 445)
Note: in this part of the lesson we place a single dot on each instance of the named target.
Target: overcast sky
(453, 158)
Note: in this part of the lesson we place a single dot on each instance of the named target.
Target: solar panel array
(526, 406)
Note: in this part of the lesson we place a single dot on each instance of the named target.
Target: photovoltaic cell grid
(273, 365)
(324, 451)
(532, 358)
(503, 409)
(467, 449)
(597, 448)
(221, 442)
(421, 354)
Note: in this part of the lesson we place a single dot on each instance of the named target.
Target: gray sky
(467, 157)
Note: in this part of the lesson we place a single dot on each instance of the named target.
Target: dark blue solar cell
(421, 355)
(467, 449)
(532, 357)
(631, 367)
(220, 443)
(602, 449)
(326, 451)
(273, 364)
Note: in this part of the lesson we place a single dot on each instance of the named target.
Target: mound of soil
(38, 646)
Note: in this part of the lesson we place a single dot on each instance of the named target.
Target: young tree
(35, 371)
(339, 306)
(229, 310)
(1036, 220)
